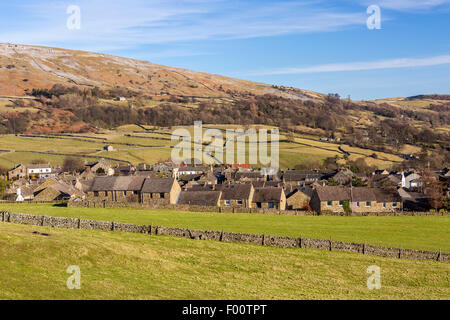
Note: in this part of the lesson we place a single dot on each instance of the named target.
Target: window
(161, 195)
(135, 192)
(271, 205)
(227, 202)
(394, 205)
(368, 204)
(239, 202)
(341, 203)
(95, 193)
(384, 205)
(358, 204)
(329, 203)
(125, 193)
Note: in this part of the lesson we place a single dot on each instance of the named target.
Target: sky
(324, 46)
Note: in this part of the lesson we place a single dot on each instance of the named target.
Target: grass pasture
(155, 146)
(423, 233)
(134, 266)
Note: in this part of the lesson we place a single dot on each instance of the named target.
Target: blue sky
(322, 46)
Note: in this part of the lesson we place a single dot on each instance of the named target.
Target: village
(230, 188)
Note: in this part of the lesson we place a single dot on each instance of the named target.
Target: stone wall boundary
(264, 240)
(230, 210)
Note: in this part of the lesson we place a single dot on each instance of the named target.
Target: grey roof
(38, 166)
(262, 184)
(386, 195)
(189, 177)
(395, 178)
(157, 185)
(195, 169)
(199, 198)
(363, 194)
(301, 175)
(201, 188)
(332, 193)
(308, 191)
(267, 194)
(127, 183)
(235, 191)
(249, 175)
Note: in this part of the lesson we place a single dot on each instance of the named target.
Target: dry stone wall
(154, 204)
(267, 240)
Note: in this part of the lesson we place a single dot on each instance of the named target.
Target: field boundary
(191, 208)
(264, 240)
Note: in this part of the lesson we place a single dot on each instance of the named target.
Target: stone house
(248, 176)
(98, 167)
(411, 180)
(343, 176)
(190, 171)
(236, 195)
(329, 198)
(117, 189)
(269, 198)
(124, 170)
(53, 190)
(299, 198)
(208, 179)
(17, 172)
(300, 177)
(200, 198)
(161, 190)
(360, 199)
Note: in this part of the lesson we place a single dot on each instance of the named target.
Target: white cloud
(407, 5)
(360, 66)
(124, 24)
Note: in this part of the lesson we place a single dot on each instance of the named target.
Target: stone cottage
(269, 198)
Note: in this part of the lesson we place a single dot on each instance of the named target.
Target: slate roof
(125, 183)
(363, 194)
(332, 193)
(201, 188)
(300, 175)
(38, 166)
(267, 195)
(157, 185)
(249, 175)
(189, 177)
(194, 169)
(262, 184)
(387, 195)
(199, 198)
(235, 191)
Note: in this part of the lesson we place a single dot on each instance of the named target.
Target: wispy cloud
(124, 24)
(360, 66)
(407, 5)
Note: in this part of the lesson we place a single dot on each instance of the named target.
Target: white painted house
(41, 169)
(411, 180)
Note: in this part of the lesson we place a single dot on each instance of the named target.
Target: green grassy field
(134, 266)
(426, 233)
(305, 149)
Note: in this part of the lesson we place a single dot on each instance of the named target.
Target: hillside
(48, 91)
(23, 68)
